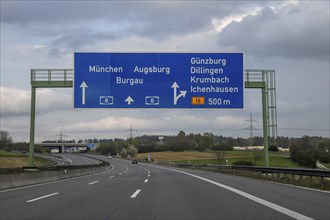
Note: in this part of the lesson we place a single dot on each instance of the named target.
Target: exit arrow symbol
(175, 86)
(83, 87)
(129, 100)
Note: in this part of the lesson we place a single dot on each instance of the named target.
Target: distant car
(110, 157)
(134, 161)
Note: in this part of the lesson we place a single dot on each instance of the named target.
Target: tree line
(306, 151)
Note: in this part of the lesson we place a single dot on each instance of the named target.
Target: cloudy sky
(290, 37)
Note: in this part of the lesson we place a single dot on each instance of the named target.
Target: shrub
(273, 148)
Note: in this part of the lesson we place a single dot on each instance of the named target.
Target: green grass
(275, 160)
(17, 160)
(42, 162)
(10, 154)
(206, 161)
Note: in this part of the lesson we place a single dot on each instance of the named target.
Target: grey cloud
(28, 12)
(293, 32)
(77, 41)
(184, 18)
(54, 53)
(152, 19)
(17, 102)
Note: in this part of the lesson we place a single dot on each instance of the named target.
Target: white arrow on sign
(175, 86)
(129, 100)
(83, 86)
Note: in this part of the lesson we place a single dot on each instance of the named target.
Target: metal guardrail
(265, 172)
(269, 170)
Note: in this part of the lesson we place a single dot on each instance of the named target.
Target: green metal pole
(265, 125)
(32, 125)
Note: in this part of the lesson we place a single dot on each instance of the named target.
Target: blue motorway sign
(158, 80)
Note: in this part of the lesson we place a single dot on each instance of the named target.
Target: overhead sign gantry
(94, 87)
(158, 80)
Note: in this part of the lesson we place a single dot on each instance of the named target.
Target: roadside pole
(32, 125)
(265, 125)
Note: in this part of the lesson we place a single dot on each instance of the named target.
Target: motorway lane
(307, 202)
(59, 161)
(79, 198)
(164, 194)
(171, 195)
(78, 159)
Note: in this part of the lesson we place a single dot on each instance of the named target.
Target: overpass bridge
(62, 147)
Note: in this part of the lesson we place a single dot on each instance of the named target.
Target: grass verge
(16, 160)
(277, 159)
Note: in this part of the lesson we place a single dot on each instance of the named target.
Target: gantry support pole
(263, 86)
(265, 125)
(45, 78)
(32, 125)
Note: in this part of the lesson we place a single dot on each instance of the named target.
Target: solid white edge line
(136, 193)
(42, 197)
(123, 166)
(271, 205)
(93, 182)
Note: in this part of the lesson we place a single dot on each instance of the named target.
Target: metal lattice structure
(50, 78)
(265, 80)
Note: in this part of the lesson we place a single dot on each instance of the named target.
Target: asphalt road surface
(146, 191)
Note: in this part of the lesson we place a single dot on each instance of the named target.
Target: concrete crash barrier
(45, 176)
(14, 180)
(21, 179)
(5, 181)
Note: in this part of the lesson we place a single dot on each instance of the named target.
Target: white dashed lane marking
(93, 182)
(136, 193)
(42, 197)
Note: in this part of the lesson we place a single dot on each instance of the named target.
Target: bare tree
(132, 151)
(123, 152)
(220, 156)
(5, 139)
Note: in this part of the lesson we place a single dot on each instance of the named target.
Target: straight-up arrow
(83, 87)
(175, 86)
(129, 100)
